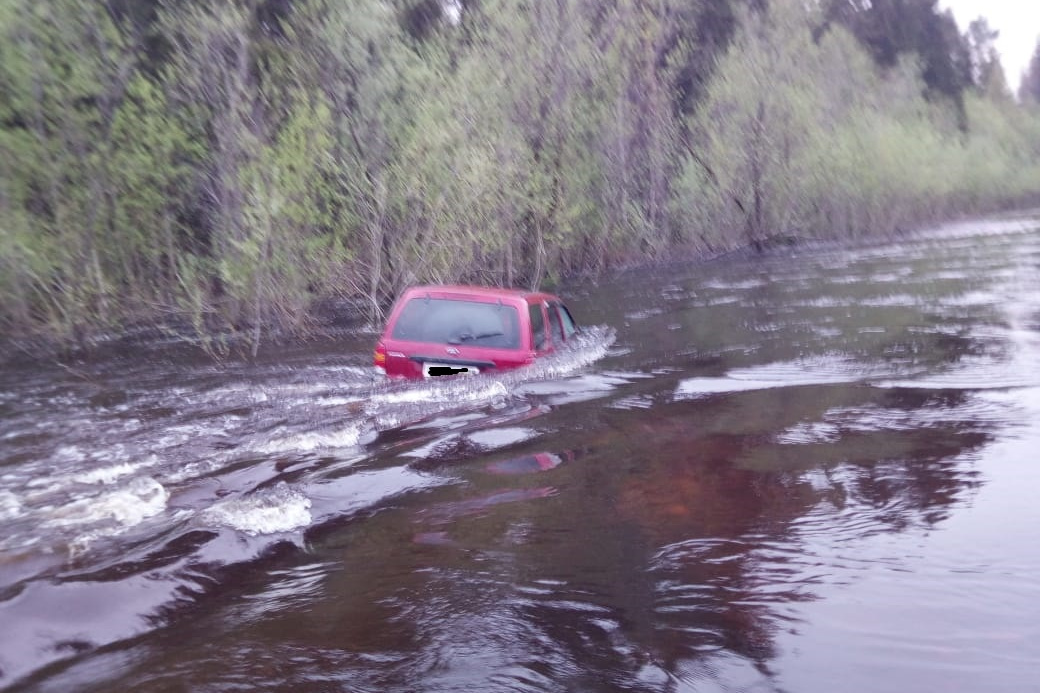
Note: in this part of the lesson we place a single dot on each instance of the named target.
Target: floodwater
(808, 471)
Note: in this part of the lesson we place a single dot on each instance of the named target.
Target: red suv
(447, 330)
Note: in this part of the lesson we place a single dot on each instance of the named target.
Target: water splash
(397, 404)
(110, 474)
(10, 506)
(274, 510)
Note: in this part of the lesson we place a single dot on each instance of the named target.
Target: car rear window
(450, 321)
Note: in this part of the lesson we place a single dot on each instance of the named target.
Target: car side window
(537, 327)
(566, 321)
(555, 326)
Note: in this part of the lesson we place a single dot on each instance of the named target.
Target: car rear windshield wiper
(467, 337)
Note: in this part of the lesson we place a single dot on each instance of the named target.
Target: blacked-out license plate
(431, 369)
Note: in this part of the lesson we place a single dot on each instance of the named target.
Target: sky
(1018, 22)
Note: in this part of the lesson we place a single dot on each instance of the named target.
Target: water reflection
(531, 464)
(727, 526)
(788, 461)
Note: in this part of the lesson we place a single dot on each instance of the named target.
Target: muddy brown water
(814, 470)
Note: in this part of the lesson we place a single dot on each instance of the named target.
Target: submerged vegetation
(221, 167)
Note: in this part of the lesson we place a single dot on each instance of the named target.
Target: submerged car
(451, 330)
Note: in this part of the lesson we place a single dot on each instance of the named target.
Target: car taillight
(379, 357)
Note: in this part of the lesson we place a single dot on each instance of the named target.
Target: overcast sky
(1018, 22)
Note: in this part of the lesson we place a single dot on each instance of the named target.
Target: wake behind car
(451, 330)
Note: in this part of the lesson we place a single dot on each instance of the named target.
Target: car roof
(484, 292)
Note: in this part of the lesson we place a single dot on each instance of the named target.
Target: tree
(461, 175)
(755, 117)
(285, 248)
(230, 162)
(544, 57)
(1029, 89)
(987, 72)
(355, 54)
(811, 137)
(66, 65)
(893, 28)
(641, 132)
(213, 78)
(153, 157)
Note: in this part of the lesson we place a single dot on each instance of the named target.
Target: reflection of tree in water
(713, 540)
(922, 484)
(711, 519)
(671, 546)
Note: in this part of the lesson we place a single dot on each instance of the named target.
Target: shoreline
(332, 318)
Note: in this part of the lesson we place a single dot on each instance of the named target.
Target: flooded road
(812, 470)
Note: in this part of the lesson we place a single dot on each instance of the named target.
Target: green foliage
(153, 156)
(812, 138)
(757, 119)
(357, 56)
(987, 72)
(65, 66)
(221, 166)
(893, 29)
(270, 265)
(460, 181)
(1029, 89)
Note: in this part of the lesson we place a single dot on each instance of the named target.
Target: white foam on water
(578, 388)
(946, 382)
(492, 438)
(813, 371)
(89, 518)
(809, 433)
(339, 401)
(365, 372)
(273, 510)
(589, 346)
(69, 453)
(632, 402)
(643, 314)
(348, 436)
(142, 498)
(971, 299)
(10, 506)
(827, 302)
(455, 390)
(239, 391)
(692, 388)
(890, 301)
(898, 275)
(403, 404)
(109, 474)
(739, 285)
(197, 468)
(411, 405)
(952, 275)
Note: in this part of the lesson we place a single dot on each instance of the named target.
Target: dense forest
(221, 167)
